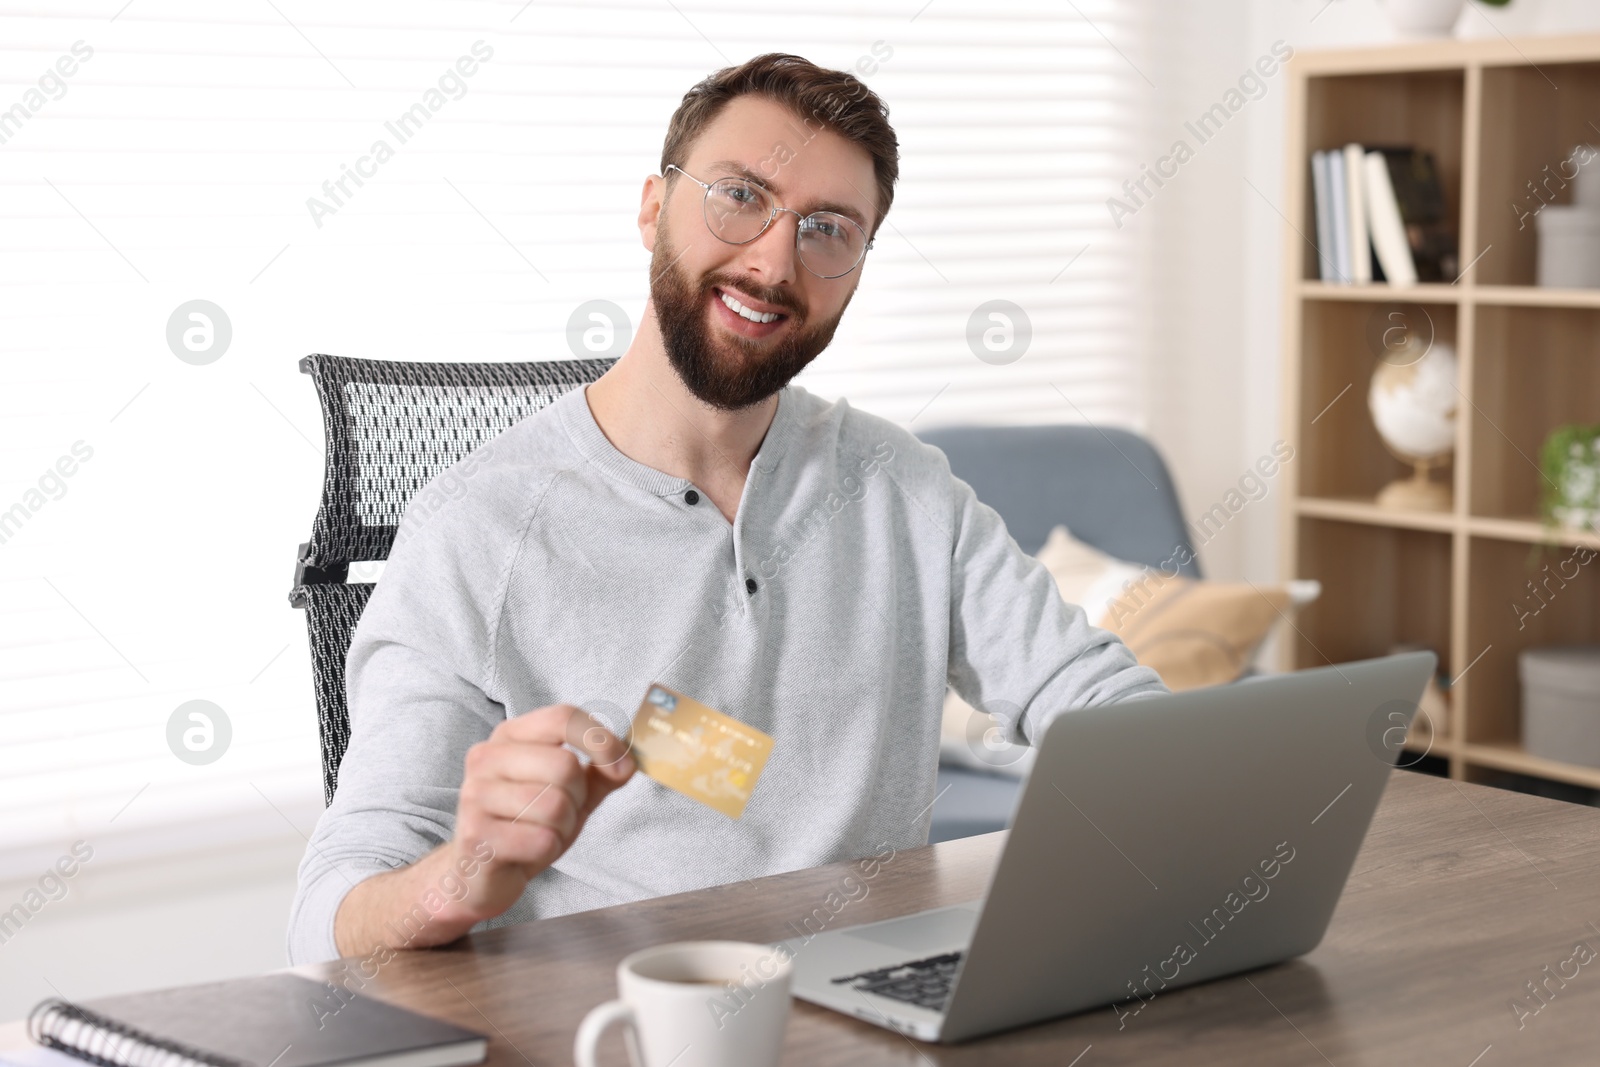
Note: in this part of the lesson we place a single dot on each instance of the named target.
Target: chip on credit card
(697, 750)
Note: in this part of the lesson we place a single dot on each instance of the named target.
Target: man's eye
(740, 194)
(825, 228)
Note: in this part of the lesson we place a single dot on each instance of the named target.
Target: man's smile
(746, 316)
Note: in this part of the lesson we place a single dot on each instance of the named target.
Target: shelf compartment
(1381, 586)
(1534, 369)
(1533, 116)
(1341, 454)
(1423, 108)
(1514, 602)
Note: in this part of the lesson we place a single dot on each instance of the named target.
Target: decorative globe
(1413, 403)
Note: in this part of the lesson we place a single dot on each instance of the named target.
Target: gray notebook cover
(284, 1020)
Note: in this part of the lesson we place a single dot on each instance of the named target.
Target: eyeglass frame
(776, 207)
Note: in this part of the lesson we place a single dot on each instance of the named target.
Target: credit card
(697, 750)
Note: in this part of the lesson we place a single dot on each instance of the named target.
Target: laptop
(1156, 843)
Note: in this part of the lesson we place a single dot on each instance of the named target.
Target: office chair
(390, 427)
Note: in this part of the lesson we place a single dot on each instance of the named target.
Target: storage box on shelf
(1561, 703)
(1499, 117)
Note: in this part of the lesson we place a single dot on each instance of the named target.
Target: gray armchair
(1109, 487)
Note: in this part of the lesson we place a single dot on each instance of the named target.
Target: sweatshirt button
(750, 585)
(692, 497)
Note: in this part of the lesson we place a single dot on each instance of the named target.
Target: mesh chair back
(390, 427)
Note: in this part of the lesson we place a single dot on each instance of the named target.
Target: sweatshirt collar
(572, 407)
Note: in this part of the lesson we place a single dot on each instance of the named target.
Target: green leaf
(1566, 445)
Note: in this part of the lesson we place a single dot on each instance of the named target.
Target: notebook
(275, 1020)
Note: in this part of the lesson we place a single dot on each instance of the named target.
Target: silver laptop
(1156, 843)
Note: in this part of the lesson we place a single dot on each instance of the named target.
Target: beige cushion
(1193, 633)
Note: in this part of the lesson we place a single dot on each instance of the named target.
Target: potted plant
(1570, 465)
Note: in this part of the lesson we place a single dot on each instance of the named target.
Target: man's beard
(721, 368)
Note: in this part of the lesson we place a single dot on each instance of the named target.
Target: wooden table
(1460, 896)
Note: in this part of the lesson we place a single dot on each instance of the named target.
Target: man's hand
(524, 799)
(528, 796)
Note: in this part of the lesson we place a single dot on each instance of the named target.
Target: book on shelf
(1383, 223)
(1381, 216)
(1327, 266)
(280, 1019)
(1356, 216)
(1338, 221)
(1419, 195)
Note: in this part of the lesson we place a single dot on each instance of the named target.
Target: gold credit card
(697, 750)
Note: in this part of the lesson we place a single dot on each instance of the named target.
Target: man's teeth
(744, 312)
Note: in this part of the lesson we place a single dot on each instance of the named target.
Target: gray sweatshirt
(859, 578)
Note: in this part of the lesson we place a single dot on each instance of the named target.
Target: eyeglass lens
(737, 211)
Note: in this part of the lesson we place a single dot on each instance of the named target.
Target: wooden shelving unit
(1494, 113)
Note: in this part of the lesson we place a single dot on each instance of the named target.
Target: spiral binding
(100, 1039)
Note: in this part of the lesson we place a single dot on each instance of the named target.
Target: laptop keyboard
(925, 983)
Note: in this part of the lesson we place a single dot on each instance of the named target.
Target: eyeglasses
(738, 211)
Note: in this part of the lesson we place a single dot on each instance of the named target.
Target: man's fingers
(529, 802)
(567, 724)
(550, 725)
(533, 784)
(608, 754)
(523, 763)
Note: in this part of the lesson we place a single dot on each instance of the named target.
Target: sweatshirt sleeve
(417, 680)
(1018, 650)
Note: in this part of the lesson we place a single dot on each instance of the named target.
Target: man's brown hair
(822, 98)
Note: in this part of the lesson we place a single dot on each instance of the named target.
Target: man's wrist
(452, 892)
(422, 904)
(435, 903)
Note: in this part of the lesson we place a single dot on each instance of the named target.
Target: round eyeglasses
(737, 211)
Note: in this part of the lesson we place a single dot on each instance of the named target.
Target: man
(692, 519)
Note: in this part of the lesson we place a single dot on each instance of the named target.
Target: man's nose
(772, 256)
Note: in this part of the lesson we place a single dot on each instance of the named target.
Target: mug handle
(596, 1023)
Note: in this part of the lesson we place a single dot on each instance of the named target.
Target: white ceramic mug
(696, 1004)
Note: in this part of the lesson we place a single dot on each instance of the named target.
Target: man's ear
(650, 197)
